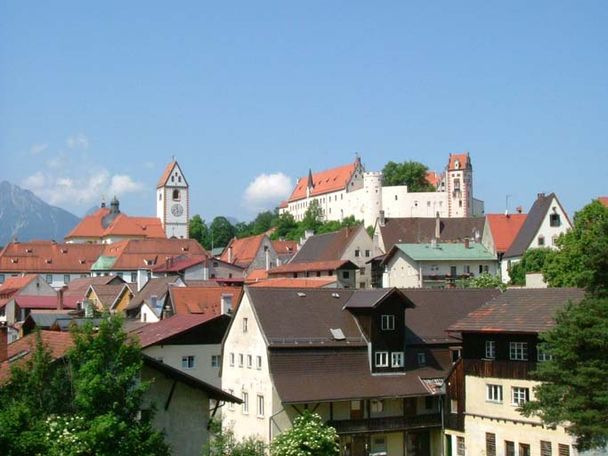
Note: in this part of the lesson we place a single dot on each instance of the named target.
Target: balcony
(386, 424)
(520, 370)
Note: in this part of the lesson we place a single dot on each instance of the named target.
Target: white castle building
(350, 190)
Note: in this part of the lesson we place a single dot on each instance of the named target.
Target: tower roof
(459, 161)
(164, 179)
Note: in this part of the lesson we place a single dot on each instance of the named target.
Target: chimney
(540, 195)
(60, 297)
(167, 311)
(466, 242)
(382, 218)
(3, 342)
(519, 209)
(437, 227)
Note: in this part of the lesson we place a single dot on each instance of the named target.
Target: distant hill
(25, 216)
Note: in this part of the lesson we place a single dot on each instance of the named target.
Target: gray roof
(525, 310)
(154, 287)
(421, 230)
(326, 247)
(368, 298)
(535, 218)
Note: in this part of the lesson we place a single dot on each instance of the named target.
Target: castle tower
(173, 201)
(372, 188)
(459, 185)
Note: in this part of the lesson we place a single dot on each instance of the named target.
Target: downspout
(270, 421)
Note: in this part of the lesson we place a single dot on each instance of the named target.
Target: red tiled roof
(433, 178)
(179, 263)
(139, 253)
(286, 282)
(202, 300)
(166, 174)
(244, 250)
(57, 342)
(49, 256)
(463, 159)
(16, 282)
(255, 275)
(311, 266)
(283, 246)
(504, 229)
(155, 333)
(603, 200)
(40, 302)
(123, 225)
(327, 181)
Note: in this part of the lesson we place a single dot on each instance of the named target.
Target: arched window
(176, 195)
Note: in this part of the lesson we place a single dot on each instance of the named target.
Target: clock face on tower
(177, 209)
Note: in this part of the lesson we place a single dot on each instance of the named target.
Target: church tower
(173, 202)
(459, 185)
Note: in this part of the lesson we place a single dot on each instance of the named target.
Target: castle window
(176, 195)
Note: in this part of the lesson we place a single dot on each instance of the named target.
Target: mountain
(25, 216)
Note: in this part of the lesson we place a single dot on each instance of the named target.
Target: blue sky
(96, 97)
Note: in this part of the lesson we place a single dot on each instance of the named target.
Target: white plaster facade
(173, 203)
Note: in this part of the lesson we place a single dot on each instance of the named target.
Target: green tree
(485, 280)
(410, 173)
(264, 221)
(533, 260)
(573, 391)
(312, 217)
(86, 403)
(224, 443)
(582, 259)
(309, 436)
(221, 231)
(197, 229)
(285, 226)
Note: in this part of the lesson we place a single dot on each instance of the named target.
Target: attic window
(29, 250)
(82, 261)
(14, 260)
(149, 261)
(185, 249)
(335, 295)
(554, 219)
(49, 260)
(337, 334)
(64, 250)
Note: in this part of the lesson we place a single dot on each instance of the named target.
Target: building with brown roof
(356, 357)
(251, 252)
(148, 303)
(344, 271)
(20, 295)
(500, 231)
(500, 350)
(108, 225)
(198, 268)
(349, 190)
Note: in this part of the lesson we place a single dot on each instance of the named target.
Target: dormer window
(388, 322)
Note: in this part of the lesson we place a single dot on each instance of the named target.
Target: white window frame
(397, 359)
(490, 349)
(494, 393)
(231, 359)
(249, 361)
(519, 395)
(241, 360)
(230, 404)
(381, 359)
(245, 405)
(216, 360)
(518, 351)
(387, 322)
(245, 324)
(188, 362)
(542, 355)
(260, 406)
(258, 364)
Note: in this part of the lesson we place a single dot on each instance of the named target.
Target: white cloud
(121, 184)
(78, 141)
(35, 181)
(267, 190)
(38, 148)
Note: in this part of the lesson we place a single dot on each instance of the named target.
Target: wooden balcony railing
(386, 424)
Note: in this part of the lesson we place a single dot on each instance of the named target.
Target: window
(188, 362)
(66, 278)
(367, 253)
(232, 359)
(421, 359)
(453, 271)
(133, 277)
(245, 404)
(49, 278)
(1, 278)
(244, 325)
(258, 362)
(260, 405)
(545, 448)
(397, 359)
(509, 448)
(494, 393)
(345, 274)
(490, 349)
(249, 361)
(554, 220)
(541, 240)
(524, 449)
(460, 448)
(160, 196)
(376, 405)
(175, 195)
(542, 355)
(563, 450)
(453, 406)
(241, 358)
(490, 444)
(362, 270)
(357, 253)
(230, 404)
(518, 351)
(467, 269)
(388, 322)
(429, 402)
(381, 359)
(520, 395)
(215, 360)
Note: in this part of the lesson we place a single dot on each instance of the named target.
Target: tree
(410, 173)
(582, 259)
(573, 392)
(309, 436)
(312, 217)
(221, 231)
(197, 229)
(284, 226)
(224, 443)
(264, 221)
(533, 260)
(485, 280)
(83, 404)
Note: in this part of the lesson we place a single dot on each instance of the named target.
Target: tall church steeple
(173, 201)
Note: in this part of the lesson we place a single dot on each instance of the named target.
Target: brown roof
(504, 229)
(434, 310)
(327, 181)
(154, 287)
(57, 342)
(327, 246)
(421, 230)
(301, 282)
(107, 294)
(49, 256)
(92, 226)
(464, 161)
(308, 375)
(603, 200)
(155, 333)
(526, 310)
(166, 174)
(203, 300)
(313, 266)
(180, 263)
(244, 250)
